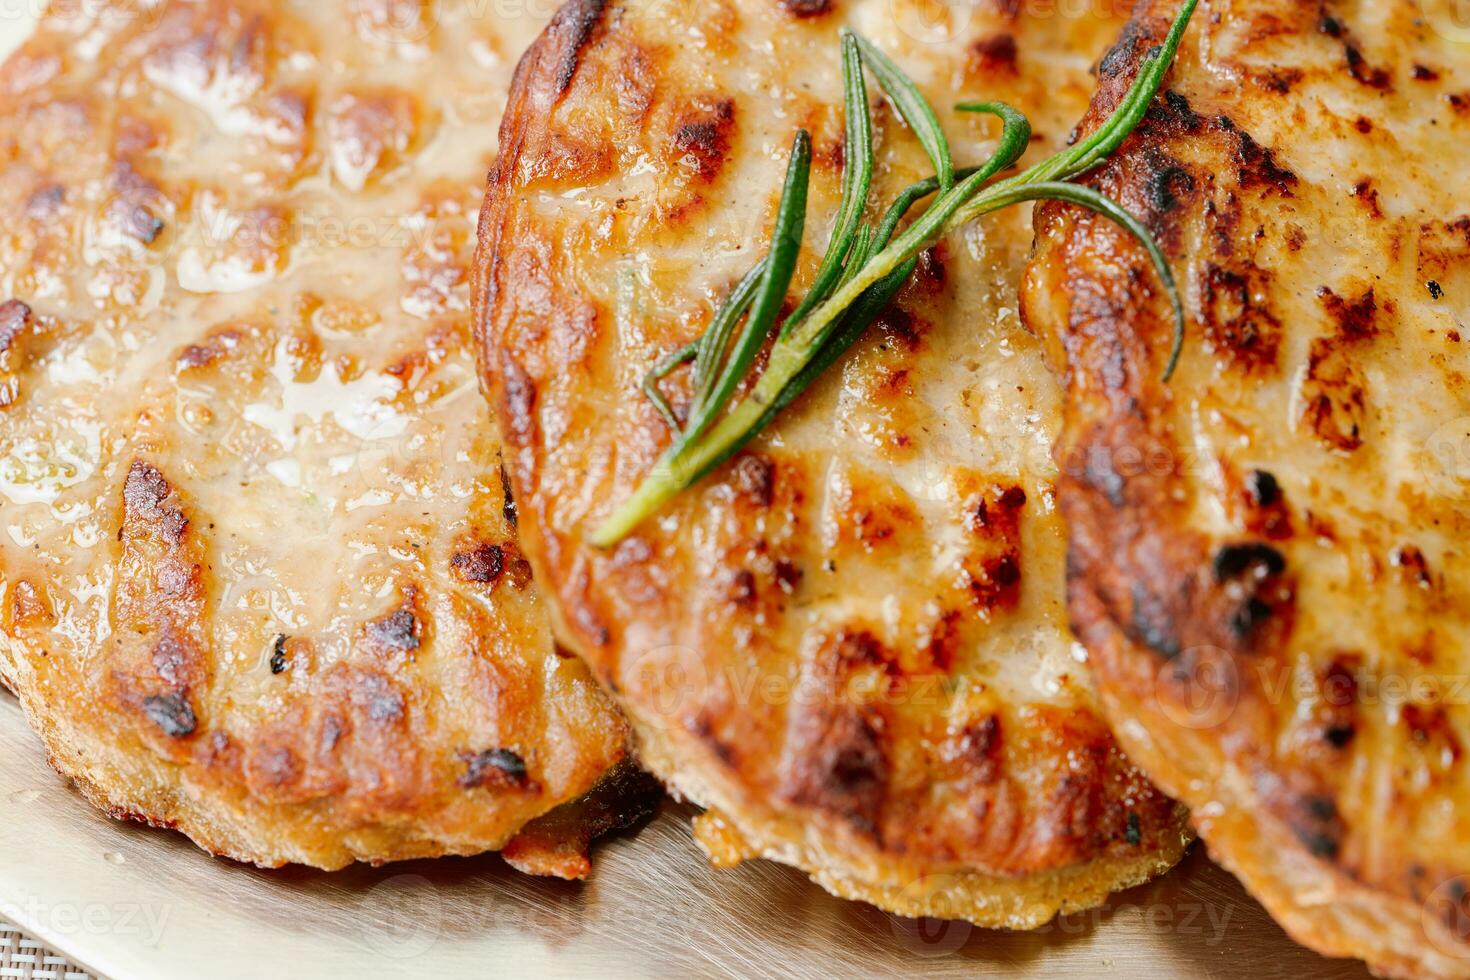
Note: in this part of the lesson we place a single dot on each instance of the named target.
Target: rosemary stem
(656, 489)
(677, 468)
(798, 344)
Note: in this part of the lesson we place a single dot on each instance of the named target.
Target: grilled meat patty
(851, 641)
(258, 575)
(1269, 554)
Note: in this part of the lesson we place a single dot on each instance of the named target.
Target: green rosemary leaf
(857, 176)
(771, 293)
(1140, 96)
(674, 472)
(849, 329)
(1095, 200)
(1078, 160)
(662, 370)
(906, 199)
(1015, 137)
(716, 336)
(888, 286)
(861, 250)
(705, 442)
(1075, 161)
(854, 323)
(913, 107)
(803, 339)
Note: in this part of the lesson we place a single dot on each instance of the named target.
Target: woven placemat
(23, 958)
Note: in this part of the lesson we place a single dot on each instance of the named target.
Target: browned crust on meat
(186, 662)
(1189, 629)
(343, 747)
(556, 845)
(1046, 813)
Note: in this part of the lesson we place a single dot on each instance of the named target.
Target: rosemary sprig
(912, 106)
(857, 177)
(865, 266)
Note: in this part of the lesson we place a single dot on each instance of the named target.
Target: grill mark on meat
(137, 199)
(278, 654)
(755, 476)
(499, 769)
(508, 506)
(994, 565)
(16, 322)
(1265, 508)
(483, 564)
(1363, 72)
(156, 666)
(1257, 167)
(14, 316)
(400, 630)
(1317, 824)
(995, 54)
(172, 713)
(835, 754)
(146, 497)
(1356, 319)
(1234, 561)
(702, 141)
(980, 745)
(1334, 395)
(1236, 321)
(576, 20)
(1337, 715)
(1153, 623)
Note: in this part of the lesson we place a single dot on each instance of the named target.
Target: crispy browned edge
(1107, 325)
(847, 867)
(556, 844)
(124, 772)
